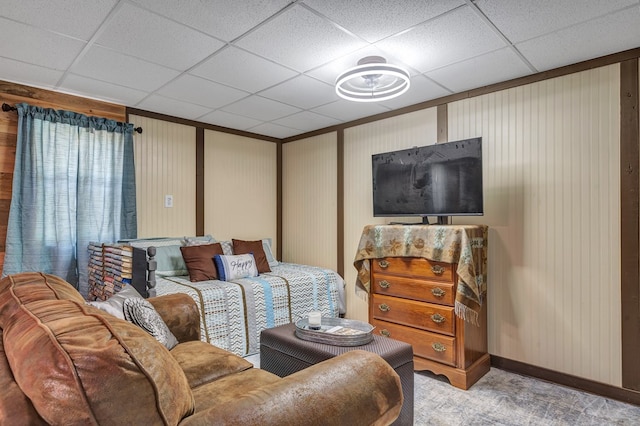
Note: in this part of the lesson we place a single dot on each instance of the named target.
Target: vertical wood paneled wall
(405, 131)
(240, 187)
(552, 202)
(165, 160)
(12, 94)
(309, 177)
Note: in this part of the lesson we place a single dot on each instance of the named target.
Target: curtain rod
(7, 108)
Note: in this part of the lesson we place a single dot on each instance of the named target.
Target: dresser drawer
(414, 267)
(426, 316)
(413, 288)
(433, 346)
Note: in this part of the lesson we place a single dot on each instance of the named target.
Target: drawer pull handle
(438, 347)
(437, 269)
(385, 333)
(437, 318)
(384, 307)
(385, 284)
(438, 292)
(383, 264)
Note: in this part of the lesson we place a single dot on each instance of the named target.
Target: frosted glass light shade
(372, 80)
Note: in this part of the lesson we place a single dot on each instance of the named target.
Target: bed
(234, 312)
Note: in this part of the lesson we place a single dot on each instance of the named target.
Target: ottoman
(283, 353)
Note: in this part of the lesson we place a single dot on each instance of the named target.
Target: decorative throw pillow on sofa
(114, 304)
(255, 248)
(235, 266)
(199, 261)
(142, 313)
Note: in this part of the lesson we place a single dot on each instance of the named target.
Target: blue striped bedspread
(233, 313)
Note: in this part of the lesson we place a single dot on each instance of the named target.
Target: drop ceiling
(268, 66)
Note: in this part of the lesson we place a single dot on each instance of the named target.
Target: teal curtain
(74, 182)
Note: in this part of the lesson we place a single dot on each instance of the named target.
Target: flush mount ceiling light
(372, 80)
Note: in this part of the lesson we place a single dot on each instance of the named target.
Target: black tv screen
(444, 179)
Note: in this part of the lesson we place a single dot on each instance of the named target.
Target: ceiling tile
(237, 68)
(92, 88)
(260, 108)
(274, 130)
(116, 68)
(493, 67)
(374, 20)
(156, 39)
(203, 92)
(33, 45)
(76, 18)
(346, 111)
(307, 121)
(453, 37)
(220, 18)
(330, 71)
(303, 92)
(157, 103)
(33, 75)
(586, 41)
(300, 39)
(422, 89)
(226, 119)
(521, 20)
(271, 65)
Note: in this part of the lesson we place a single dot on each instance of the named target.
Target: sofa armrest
(357, 387)
(180, 312)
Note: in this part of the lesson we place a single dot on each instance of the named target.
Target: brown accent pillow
(255, 248)
(199, 261)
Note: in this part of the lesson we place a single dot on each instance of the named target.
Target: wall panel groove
(552, 204)
(310, 196)
(414, 129)
(165, 160)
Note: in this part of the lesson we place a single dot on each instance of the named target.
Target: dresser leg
(458, 377)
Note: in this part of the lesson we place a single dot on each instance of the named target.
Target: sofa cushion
(203, 363)
(77, 365)
(231, 387)
(14, 404)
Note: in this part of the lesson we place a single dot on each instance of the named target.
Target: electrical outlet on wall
(168, 200)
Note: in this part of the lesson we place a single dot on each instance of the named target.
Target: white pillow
(114, 304)
(142, 313)
(235, 266)
(271, 259)
(198, 241)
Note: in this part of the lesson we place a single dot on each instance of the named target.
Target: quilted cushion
(143, 314)
(78, 366)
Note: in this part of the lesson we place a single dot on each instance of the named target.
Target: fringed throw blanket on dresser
(233, 313)
(465, 245)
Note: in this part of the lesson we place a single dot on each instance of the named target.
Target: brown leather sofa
(65, 362)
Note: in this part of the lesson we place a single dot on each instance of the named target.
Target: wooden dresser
(412, 300)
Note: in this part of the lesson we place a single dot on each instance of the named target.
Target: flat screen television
(440, 180)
